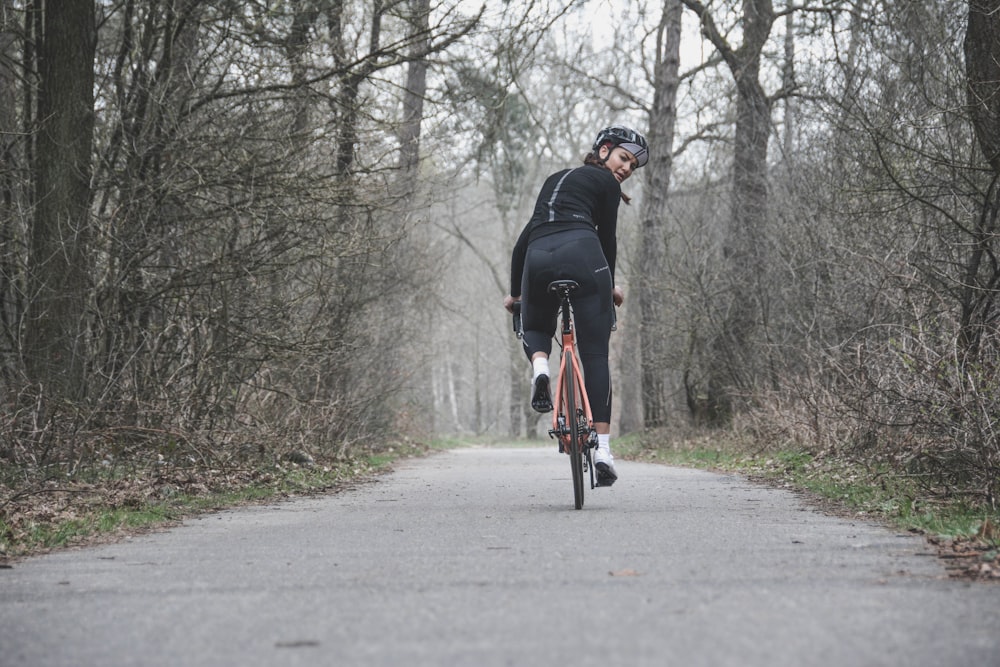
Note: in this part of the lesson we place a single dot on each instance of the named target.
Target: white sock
(603, 453)
(539, 366)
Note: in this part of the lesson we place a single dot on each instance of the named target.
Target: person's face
(619, 162)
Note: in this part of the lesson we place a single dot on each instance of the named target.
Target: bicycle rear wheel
(576, 453)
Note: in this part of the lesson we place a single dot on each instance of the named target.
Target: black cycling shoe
(606, 475)
(541, 401)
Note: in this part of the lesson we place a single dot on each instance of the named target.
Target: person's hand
(618, 296)
(509, 301)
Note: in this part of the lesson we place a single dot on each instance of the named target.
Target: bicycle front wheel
(573, 422)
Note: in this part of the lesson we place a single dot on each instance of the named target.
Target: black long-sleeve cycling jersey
(585, 197)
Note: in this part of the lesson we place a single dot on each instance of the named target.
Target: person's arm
(606, 221)
(517, 262)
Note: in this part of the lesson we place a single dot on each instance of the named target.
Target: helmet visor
(640, 153)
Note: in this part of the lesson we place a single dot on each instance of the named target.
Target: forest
(232, 230)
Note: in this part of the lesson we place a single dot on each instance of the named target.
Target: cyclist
(572, 235)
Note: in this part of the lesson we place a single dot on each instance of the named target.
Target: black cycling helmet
(627, 138)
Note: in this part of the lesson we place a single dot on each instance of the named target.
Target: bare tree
(58, 277)
(235, 280)
(651, 265)
(885, 312)
(745, 243)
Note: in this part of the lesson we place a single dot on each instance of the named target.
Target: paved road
(476, 557)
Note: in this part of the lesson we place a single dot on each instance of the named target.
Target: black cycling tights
(574, 254)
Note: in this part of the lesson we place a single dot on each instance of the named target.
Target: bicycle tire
(573, 422)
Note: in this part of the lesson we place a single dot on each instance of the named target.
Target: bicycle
(572, 420)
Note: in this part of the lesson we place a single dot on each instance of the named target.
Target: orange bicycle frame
(569, 356)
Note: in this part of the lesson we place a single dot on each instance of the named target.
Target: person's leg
(541, 396)
(593, 328)
(597, 378)
(592, 321)
(538, 324)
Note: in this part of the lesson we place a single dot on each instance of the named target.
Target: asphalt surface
(476, 557)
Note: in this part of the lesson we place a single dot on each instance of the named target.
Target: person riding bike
(572, 235)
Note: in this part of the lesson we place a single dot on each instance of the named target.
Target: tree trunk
(982, 68)
(304, 16)
(652, 254)
(732, 351)
(416, 90)
(346, 103)
(55, 331)
(12, 186)
(788, 83)
(745, 242)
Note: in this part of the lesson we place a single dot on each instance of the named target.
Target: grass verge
(966, 533)
(42, 510)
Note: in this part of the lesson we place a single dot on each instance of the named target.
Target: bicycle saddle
(566, 286)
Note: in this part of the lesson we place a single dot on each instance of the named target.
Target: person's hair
(593, 159)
